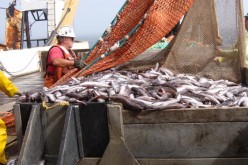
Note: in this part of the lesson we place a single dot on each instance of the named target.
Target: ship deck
(26, 83)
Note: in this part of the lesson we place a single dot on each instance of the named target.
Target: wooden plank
(187, 140)
(186, 116)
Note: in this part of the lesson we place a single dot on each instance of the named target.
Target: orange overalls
(51, 78)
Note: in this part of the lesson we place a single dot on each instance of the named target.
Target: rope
(62, 103)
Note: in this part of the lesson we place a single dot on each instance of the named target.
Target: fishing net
(121, 26)
(141, 25)
(210, 43)
(9, 121)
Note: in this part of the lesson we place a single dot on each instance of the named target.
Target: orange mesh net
(125, 22)
(159, 18)
(9, 121)
(210, 43)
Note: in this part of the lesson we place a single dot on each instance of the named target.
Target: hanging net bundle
(210, 43)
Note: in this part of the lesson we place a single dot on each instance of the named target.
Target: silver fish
(90, 84)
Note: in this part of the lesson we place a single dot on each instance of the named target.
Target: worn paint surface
(13, 28)
(188, 140)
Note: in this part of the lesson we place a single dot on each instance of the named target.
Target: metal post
(26, 22)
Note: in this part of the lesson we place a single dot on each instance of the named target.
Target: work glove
(19, 93)
(79, 64)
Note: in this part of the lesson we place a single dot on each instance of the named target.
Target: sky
(91, 19)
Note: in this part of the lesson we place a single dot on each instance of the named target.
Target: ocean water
(92, 39)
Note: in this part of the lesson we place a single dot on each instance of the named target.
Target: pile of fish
(155, 89)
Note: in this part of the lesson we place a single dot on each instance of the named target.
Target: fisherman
(3, 140)
(60, 57)
(8, 87)
(10, 90)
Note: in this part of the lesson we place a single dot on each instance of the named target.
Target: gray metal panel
(32, 147)
(188, 140)
(22, 113)
(69, 149)
(200, 161)
(18, 125)
(186, 116)
(171, 137)
(117, 151)
(79, 131)
(52, 126)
